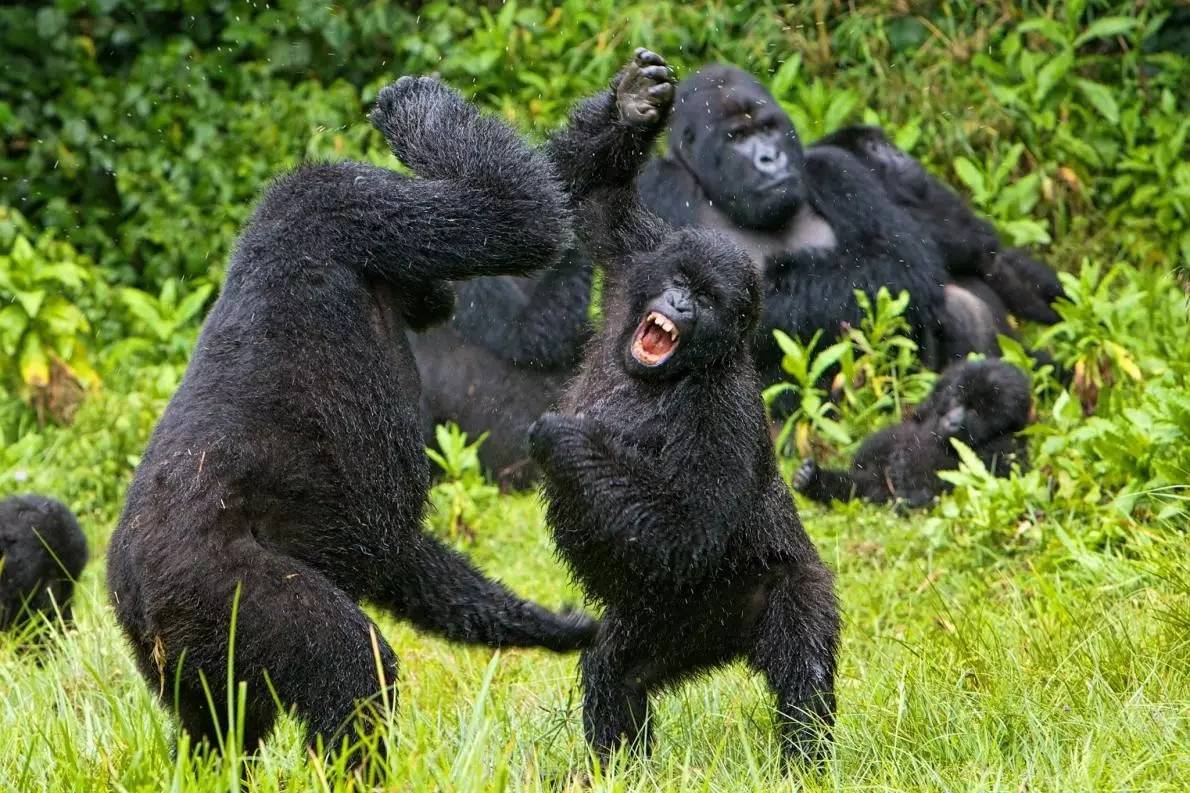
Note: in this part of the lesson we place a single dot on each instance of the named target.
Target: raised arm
(601, 150)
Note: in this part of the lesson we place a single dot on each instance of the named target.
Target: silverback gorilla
(981, 403)
(663, 490)
(287, 478)
(503, 360)
(42, 553)
(818, 222)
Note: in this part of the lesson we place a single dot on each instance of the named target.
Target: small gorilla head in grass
(692, 305)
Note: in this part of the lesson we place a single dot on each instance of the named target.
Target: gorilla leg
(439, 591)
(296, 634)
(615, 697)
(796, 639)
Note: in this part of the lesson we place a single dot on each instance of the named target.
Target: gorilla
(970, 245)
(42, 554)
(662, 486)
(286, 480)
(981, 403)
(503, 360)
(817, 222)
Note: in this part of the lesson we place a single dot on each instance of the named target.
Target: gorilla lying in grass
(503, 360)
(287, 478)
(663, 490)
(1006, 277)
(42, 554)
(981, 403)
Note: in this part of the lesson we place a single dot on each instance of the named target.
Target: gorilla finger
(663, 91)
(648, 57)
(656, 73)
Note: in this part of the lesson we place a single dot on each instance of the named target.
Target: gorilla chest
(807, 229)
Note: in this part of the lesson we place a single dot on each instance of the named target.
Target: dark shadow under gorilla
(981, 403)
(42, 554)
(970, 245)
(503, 360)
(287, 476)
(662, 486)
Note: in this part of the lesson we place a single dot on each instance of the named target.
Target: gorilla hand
(645, 90)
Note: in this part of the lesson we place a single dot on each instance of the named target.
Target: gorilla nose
(771, 160)
(677, 305)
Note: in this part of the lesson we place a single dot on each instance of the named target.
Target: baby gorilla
(42, 554)
(664, 495)
(981, 403)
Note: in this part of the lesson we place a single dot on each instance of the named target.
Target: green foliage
(44, 336)
(854, 385)
(463, 494)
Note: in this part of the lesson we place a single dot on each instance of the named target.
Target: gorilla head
(695, 302)
(739, 145)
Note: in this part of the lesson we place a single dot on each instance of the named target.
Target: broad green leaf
(1101, 99)
(13, 323)
(1053, 71)
(969, 175)
(1106, 27)
(907, 136)
(31, 301)
(34, 365)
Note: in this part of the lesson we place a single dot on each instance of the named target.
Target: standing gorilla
(981, 403)
(503, 360)
(970, 245)
(286, 480)
(42, 554)
(663, 490)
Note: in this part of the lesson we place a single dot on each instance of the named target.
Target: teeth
(664, 324)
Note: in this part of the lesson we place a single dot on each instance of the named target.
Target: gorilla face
(694, 302)
(739, 145)
(874, 149)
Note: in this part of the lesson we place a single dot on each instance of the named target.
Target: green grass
(961, 669)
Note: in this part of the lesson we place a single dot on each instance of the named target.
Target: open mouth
(655, 340)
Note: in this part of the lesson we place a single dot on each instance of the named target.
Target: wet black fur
(808, 289)
(289, 465)
(969, 244)
(503, 360)
(662, 487)
(42, 553)
(981, 403)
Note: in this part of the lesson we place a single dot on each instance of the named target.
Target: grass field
(961, 670)
(1029, 634)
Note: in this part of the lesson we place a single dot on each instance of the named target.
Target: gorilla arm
(485, 204)
(600, 152)
(540, 324)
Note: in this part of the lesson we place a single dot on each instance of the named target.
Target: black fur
(289, 465)
(503, 360)
(828, 226)
(662, 486)
(42, 554)
(981, 403)
(969, 244)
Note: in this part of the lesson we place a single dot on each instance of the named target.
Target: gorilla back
(286, 479)
(42, 553)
